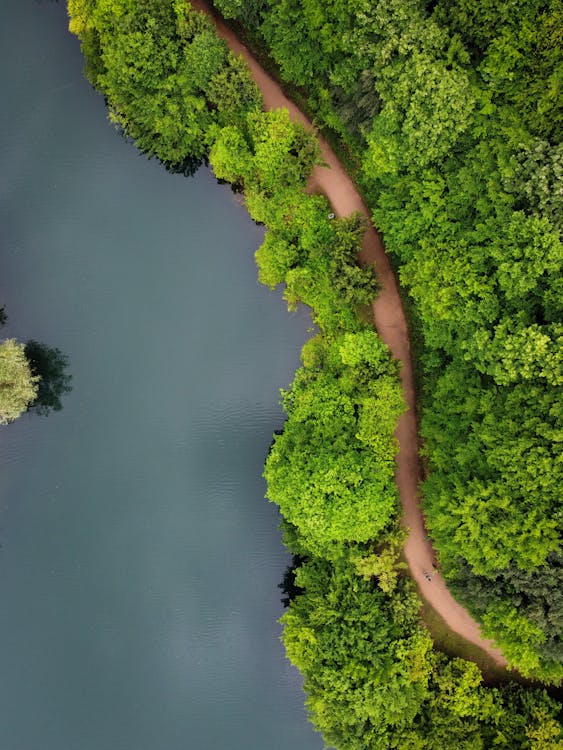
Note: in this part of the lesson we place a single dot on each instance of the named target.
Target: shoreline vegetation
(330, 179)
(452, 114)
(353, 628)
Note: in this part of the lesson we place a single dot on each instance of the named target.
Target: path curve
(333, 181)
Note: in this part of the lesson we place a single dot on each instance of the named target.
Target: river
(139, 562)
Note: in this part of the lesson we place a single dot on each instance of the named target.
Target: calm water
(139, 562)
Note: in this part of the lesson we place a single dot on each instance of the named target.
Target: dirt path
(390, 323)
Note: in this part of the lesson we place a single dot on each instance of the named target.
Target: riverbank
(332, 180)
(121, 624)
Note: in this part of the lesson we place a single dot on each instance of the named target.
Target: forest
(451, 114)
(460, 165)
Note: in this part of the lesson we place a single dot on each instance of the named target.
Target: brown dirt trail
(333, 181)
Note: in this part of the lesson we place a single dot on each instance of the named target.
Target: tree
(233, 92)
(245, 11)
(374, 681)
(331, 471)
(366, 675)
(168, 79)
(537, 595)
(18, 384)
(230, 156)
(284, 152)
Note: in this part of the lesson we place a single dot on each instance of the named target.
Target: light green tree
(18, 386)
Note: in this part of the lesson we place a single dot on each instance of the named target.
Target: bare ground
(334, 182)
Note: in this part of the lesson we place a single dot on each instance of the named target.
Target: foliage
(494, 497)
(453, 110)
(535, 178)
(373, 680)
(247, 11)
(168, 79)
(461, 166)
(331, 471)
(18, 384)
(383, 563)
(519, 48)
(537, 597)
(271, 155)
(314, 255)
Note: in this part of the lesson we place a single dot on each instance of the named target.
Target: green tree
(284, 152)
(18, 385)
(233, 93)
(374, 681)
(245, 11)
(365, 675)
(536, 595)
(169, 81)
(331, 471)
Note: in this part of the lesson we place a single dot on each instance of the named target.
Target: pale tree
(18, 385)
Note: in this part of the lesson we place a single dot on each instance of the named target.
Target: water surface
(139, 561)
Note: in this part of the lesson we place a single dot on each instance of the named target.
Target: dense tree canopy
(166, 76)
(453, 111)
(331, 471)
(462, 169)
(313, 254)
(374, 682)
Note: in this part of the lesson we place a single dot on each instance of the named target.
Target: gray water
(139, 562)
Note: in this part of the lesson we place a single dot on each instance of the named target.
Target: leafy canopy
(18, 384)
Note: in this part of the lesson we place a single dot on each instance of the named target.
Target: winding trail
(332, 180)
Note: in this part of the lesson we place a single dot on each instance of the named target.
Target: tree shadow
(288, 585)
(50, 364)
(188, 167)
